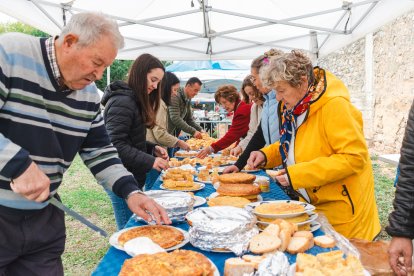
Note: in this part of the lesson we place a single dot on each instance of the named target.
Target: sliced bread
(325, 241)
(255, 260)
(285, 236)
(305, 261)
(237, 267)
(298, 245)
(272, 229)
(264, 243)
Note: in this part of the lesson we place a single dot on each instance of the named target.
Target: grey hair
(90, 27)
(288, 67)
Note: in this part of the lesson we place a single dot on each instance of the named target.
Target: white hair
(90, 27)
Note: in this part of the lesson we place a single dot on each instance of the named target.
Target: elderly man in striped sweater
(49, 112)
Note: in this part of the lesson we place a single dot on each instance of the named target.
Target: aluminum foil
(276, 264)
(221, 227)
(176, 203)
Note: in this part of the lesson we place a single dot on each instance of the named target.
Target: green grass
(384, 192)
(85, 248)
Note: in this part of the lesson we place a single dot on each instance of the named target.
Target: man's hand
(142, 205)
(33, 184)
(161, 152)
(183, 145)
(236, 151)
(400, 255)
(256, 159)
(205, 133)
(204, 152)
(231, 169)
(198, 135)
(160, 164)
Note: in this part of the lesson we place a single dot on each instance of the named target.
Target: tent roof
(218, 29)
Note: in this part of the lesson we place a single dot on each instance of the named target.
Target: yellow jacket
(332, 161)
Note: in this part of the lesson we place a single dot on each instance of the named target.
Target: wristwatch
(133, 193)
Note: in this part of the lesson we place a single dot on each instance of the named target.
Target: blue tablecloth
(112, 262)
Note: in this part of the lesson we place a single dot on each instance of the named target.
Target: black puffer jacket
(401, 220)
(127, 131)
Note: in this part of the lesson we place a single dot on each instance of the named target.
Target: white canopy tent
(220, 29)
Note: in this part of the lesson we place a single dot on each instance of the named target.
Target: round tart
(238, 190)
(228, 201)
(176, 263)
(298, 219)
(279, 208)
(237, 178)
(164, 236)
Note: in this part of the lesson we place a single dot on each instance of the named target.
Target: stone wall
(385, 110)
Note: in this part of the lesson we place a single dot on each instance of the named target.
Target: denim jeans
(121, 210)
(152, 176)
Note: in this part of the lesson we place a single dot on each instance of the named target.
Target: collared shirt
(51, 54)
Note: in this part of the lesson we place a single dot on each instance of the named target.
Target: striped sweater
(41, 123)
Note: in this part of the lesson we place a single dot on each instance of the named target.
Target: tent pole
(108, 75)
(314, 50)
(369, 92)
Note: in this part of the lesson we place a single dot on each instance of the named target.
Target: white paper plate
(216, 271)
(292, 271)
(203, 181)
(199, 201)
(219, 169)
(308, 208)
(202, 185)
(312, 217)
(113, 240)
(215, 194)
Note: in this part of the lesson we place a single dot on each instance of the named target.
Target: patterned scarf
(289, 122)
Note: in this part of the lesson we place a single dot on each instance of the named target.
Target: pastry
(238, 190)
(279, 208)
(228, 201)
(237, 178)
(164, 236)
(176, 263)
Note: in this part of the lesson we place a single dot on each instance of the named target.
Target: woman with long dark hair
(159, 133)
(130, 108)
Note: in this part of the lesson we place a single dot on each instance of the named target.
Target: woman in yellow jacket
(322, 146)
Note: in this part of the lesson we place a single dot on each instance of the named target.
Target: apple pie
(164, 236)
(176, 263)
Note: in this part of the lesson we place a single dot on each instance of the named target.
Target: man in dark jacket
(401, 220)
(180, 111)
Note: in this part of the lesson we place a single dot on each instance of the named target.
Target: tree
(119, 71)
(19, 27)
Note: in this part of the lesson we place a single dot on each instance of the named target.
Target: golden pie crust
(176, 263)
(236, 178)
(164, 236)
(279, 208)
(239, 202)
(298, 219)
(238, 190)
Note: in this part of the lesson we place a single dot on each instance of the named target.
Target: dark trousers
(31, 241)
